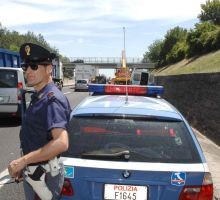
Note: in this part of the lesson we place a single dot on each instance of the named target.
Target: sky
(94, 28)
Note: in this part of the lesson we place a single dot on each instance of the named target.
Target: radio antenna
(125, 67)
(124, 37)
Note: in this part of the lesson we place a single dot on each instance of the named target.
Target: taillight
(201, 192)
(67, 189)
(19, 87)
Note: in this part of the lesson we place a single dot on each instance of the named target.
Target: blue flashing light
(97, 88)
(155, 90)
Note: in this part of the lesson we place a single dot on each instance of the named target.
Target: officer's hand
(15, 167)
(19, 177)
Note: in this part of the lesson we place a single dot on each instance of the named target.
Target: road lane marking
(4, 178)
(67, 93)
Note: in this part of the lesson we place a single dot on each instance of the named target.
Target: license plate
(125, 192)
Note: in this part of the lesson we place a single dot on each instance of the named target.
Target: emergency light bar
(122, 89)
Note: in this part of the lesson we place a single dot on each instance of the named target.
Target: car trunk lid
(130, 180)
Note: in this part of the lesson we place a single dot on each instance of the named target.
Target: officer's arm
(56, 146)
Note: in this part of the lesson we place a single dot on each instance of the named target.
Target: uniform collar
(44, 90)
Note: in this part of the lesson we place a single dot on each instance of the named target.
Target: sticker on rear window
(178, 178)
(68, 172)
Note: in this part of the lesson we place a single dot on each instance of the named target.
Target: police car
(129, 144)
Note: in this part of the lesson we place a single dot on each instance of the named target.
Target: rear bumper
(10, 110)
(81, 87)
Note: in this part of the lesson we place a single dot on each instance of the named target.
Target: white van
(140, 76)
(11, 81)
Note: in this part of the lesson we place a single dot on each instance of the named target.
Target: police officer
(43, 134)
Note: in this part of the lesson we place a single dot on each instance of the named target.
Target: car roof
(136, 105)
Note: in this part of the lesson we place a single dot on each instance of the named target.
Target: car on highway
(128, 143)
(81, 84)
(11, 82)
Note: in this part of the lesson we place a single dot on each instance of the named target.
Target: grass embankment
(208, 63)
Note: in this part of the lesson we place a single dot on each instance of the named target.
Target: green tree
(172, 37)
(64, 59)
(146, 58)
(3, 37)
(202, 38)
(177, 53)
(210, 12)
(154, 52)
(12, 40)
(13, 47)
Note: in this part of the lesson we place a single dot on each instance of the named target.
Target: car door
(8, 91)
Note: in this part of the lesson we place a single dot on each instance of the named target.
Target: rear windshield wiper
(121, 155)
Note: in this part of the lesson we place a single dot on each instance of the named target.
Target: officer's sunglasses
(33, 66)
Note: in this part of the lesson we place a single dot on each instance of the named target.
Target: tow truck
(123, 74)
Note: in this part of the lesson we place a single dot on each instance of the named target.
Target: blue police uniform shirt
(48, 109)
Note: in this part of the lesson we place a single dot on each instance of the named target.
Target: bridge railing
(104, 59)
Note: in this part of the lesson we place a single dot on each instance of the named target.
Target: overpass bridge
(107, 62)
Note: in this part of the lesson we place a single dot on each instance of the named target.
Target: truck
(141, 76)
(100, 79)
(9, 58)
(83, 71)
(122, 74)
(57, 73)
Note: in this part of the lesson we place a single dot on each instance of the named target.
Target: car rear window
(8, 79)
(82, 81)
(141, 139)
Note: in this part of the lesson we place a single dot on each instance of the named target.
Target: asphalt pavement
(212, 155)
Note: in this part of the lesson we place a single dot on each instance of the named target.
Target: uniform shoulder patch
(50, 94)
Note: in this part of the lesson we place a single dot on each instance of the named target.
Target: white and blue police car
(129, 144)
